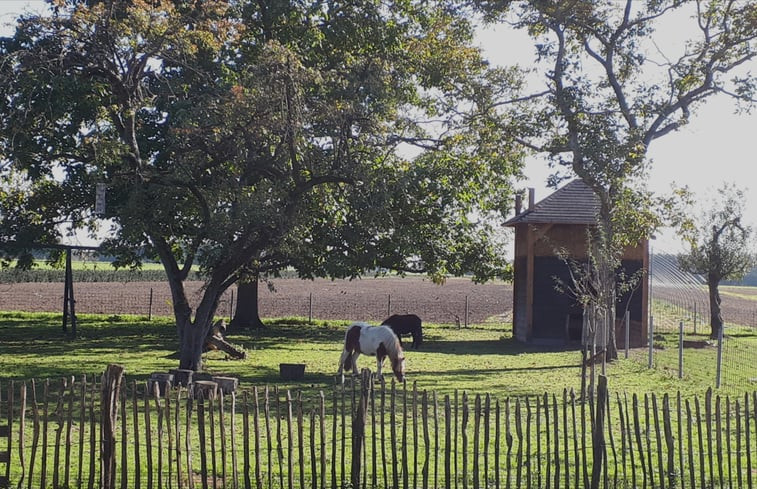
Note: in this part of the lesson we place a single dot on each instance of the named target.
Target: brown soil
(368, 299)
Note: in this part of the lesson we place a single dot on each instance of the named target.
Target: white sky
(717, 146)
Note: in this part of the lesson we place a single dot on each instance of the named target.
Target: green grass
(480, 359)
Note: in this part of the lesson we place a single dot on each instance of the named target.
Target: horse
(372, 340)
(406, 324)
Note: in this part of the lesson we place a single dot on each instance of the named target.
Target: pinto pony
(372, 340)
(406, 324)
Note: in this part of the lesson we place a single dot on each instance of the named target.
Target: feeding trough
(292, 371)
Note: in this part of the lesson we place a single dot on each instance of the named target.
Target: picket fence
(112, 433)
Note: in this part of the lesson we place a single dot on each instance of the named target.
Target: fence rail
(62, 434)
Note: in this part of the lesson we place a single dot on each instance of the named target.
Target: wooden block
(226, 384)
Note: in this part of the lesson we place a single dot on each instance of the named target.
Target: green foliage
(247, 137)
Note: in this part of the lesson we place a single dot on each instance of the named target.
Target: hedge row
(53, 275)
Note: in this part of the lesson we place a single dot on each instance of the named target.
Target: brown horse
(406, 324)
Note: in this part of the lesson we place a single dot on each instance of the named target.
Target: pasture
(480, 359)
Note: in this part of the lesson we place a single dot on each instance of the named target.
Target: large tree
(244, 137)
(614, 83)
(720, 245)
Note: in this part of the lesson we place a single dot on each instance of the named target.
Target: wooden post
(627, 321)
(310, 308)
(680, 350)
(110, 394)
(358, 428)
(598, 434)
(149, 307)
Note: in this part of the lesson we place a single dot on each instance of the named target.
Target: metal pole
(680, 350)
(720, 357)
(650, 340)
(628, 328)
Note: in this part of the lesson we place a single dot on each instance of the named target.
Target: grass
(480, 359)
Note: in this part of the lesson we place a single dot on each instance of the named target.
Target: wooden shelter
(541, 313)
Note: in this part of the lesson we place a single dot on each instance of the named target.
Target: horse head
(398, 367)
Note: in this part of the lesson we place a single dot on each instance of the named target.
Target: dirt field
(369, 299)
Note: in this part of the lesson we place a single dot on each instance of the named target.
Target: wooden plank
(623, 443)
(556, 437)
(322, 411)
(669, 441)
(290, 442)
(124, 442)
(415, 433)
(426, 440)
(405, 476)
(708, 423)
(497, 444)
(519, 435)
(612, 447)
(447, 443)
(177, 430)
(313, 459)
(374, 438)
(246, 468)
(69, 432)
(464, 438)
(232, 422)
(169, 434)
(509, 443)
(637, 432)
(729, 460)
(212, 401)
(598, 442)
(136, 430)
(583, 452)
(701, 442)
(476, 440)
(334, 414)
(436, 440)
(269, 437)
(574, 432)
(9, 435)
(679, 420)
(148, 436)
(719, 440)
(59, 420)
(35, 432)
(393, 436)
(45, 405)
(256, 424)
(22, 436)
(188, 438)
(648, 438)
(156, 397)
(538, 442)
(747, 442)
(658, 437)
(202, 438)
(690, 440)
(738, 444)
(528, 461)
(92, 434)
(487, 421)
(82, 434)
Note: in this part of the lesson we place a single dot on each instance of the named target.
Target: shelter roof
(575, 203)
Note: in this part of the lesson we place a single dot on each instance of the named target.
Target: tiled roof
(575, 203)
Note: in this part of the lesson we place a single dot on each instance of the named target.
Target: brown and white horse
(372, 340)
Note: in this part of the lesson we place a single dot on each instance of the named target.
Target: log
(217, 342)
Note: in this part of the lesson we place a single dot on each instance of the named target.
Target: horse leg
(379, 364)
(355, 371)
(343, 359)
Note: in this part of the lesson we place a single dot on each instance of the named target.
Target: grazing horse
(372, 340)
(406, 324)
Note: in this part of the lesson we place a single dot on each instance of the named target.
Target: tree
(720, 246)
(246, 137)
(613, 86)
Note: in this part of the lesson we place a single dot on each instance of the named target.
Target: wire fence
(680, 319)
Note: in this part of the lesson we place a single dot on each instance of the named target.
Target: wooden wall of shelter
(542, 313)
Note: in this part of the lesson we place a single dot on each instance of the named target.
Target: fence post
(695, 317)
(310, 308)
(149, 307)
(467, 309)
(111, 393)
(680, 350)
(388, 305)
(358, 427)
(651, 339)
(720, 357)
(628, 330)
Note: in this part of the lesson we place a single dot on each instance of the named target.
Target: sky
(716, 147)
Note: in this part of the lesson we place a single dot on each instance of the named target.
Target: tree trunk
(716, 318)
(190, 353)
(246, 314)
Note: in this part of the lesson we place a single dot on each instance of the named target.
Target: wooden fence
(114, 433)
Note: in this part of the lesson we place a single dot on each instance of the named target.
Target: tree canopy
(616, 77)
(336, 136)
